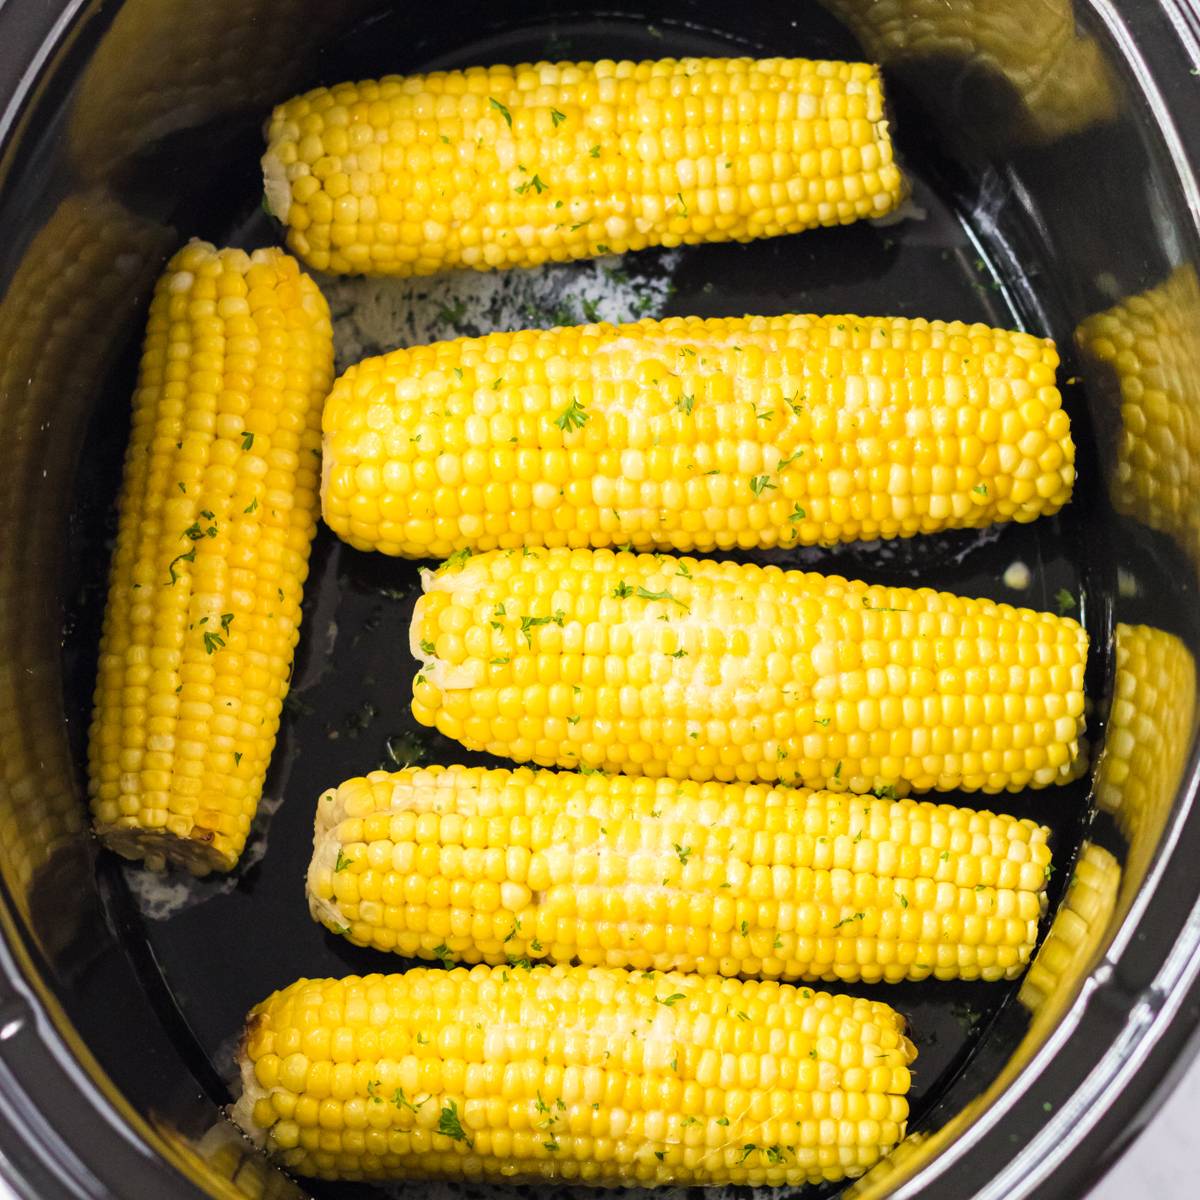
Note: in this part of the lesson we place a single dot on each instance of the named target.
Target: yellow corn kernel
(510, 166)
(217, 511)
(714, 878)
(652, 665)
(694, 434)
(588, 1075)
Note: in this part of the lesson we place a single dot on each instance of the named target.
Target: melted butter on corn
(589, 1075)
(474, 865)
(647, 664)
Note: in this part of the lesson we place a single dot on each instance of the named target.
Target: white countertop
(1163, 1163)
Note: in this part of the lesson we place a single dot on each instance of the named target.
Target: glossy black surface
(1021, 226)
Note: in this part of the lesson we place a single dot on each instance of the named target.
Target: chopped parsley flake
(645, 594)
(574, 416)
(400, 1100)
(448, 1119)
(189, 557)
(501, 109)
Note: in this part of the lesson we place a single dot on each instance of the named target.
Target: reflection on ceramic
(1146, 352)
(61, 322)
(1070, 948)
(1145, 749)
(220, 59)
(1057, 77)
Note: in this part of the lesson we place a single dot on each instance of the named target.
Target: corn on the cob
(697, 435)
(589, 1075)
(218, 509)
(1146, 743)
(1148, 349)
(1059, 77)
(510, 166)
(493, 866)
(654, 665)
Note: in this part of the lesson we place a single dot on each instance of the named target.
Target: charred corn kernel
(1147, 350)
(652, 665)
(588, 1075)
(1058, 76)
(1148, 736)
(696, 434)
(1081, 921)
(217, 511)
(714, 878)
(63, 318)
(512, 166)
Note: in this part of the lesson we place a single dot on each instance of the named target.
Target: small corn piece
(474, 865)
(586, 1075)
(696, 435)
(512, 166)
(1147, 352)
(652, 665)
(217, 511)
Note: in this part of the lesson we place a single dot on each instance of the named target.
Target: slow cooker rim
(117, 1152)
